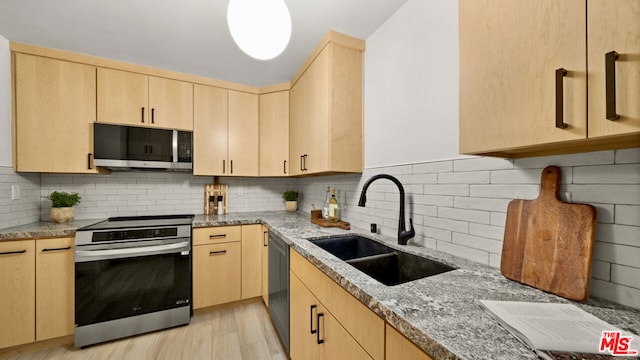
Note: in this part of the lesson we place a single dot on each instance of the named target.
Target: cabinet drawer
(216, 235)
(363, 324)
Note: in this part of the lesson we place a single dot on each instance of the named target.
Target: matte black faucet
(403, 234)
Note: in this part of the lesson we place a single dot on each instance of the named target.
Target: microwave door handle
(148, 250)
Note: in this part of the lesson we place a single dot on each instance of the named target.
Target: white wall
(5, 103)
(411, 85)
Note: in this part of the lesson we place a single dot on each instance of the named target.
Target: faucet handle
(412, 231)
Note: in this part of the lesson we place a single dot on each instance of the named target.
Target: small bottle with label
(325, 205)
(220, 205)
(333, 207)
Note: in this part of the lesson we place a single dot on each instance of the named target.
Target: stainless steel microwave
(119, 147)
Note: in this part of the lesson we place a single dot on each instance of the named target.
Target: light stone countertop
(439, 313)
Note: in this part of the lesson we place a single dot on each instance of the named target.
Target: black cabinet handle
(311, 318)
(301, 156)
(153, 111)
(217, 236)
(304, 161)
(318, 340)
(13, 252)
(150, 149)
(57, 249)
(143, 114)
(284, 168)
(222, 252)
(265, 238)
(231, 165)
(560, 74)
(610, 84)
(89, 161)
(223, 166)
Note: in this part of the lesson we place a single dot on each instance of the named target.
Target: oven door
(139, 278)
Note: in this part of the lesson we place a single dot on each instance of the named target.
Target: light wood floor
(238, 331)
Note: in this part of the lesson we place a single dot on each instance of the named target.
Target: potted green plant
(291, 200)
(62, 206)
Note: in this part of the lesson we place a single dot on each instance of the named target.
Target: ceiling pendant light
(261, 28)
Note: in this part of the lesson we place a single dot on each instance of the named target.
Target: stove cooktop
(132, 222)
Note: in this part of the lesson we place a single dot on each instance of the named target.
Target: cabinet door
(265, 266)
(297, 104)
(251, 261)
(171, 103)
(509, 54)
(614, 26)
(399, 348)
(243, 134)
(17, 299)
(55, 111)
(54, 288)
(274, 134)
(337, 343)
(312, 124)
(209, 130)
(303, 321)
(216, 274)
(123, 98)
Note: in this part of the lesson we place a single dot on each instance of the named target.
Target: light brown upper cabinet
(225, 132)
(141, 100)
(614, 26)
(54, 112)
(209, 130)
(243, 130)
(325, 130)
(274, 134)
(524, 76)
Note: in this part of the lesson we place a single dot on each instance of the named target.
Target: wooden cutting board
(548, 244)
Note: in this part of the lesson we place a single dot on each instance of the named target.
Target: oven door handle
(119, 253)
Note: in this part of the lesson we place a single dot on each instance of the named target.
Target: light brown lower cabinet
(55, 285)
(315, 333)
(17, 299)
(37, 296)
(251, 261)
(216, 274)
(400, 348)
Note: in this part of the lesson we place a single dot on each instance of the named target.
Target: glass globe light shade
(261, 28)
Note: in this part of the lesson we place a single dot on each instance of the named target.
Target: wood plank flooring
(238, 331)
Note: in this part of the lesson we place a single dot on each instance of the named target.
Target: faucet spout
(403, 234)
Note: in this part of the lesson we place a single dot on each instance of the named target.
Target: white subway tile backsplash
(472, 216)
(482, 163)
(626, 275)
(474, 177)
(471, 224)
(620, 294)
(607, 174)
(433, 167)
(617, 254)
(627, 215)
(601, 270)
(618, 234)
(627, 156)
(606, 194)
(505, 191)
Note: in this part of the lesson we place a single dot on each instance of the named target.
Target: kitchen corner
(440, 314)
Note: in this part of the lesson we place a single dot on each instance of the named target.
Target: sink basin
(388, 266)
(347, 247)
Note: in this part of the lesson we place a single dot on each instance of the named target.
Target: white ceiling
(189, 36)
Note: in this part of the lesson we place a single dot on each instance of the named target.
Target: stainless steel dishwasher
(279, 286)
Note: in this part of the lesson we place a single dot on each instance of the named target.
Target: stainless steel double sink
(387, 265)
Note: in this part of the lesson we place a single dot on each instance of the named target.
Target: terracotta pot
(62, 215)
(291, 206)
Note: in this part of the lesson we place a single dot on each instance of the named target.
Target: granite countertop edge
(440, 314)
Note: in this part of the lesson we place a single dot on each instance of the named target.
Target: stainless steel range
(132, 275)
